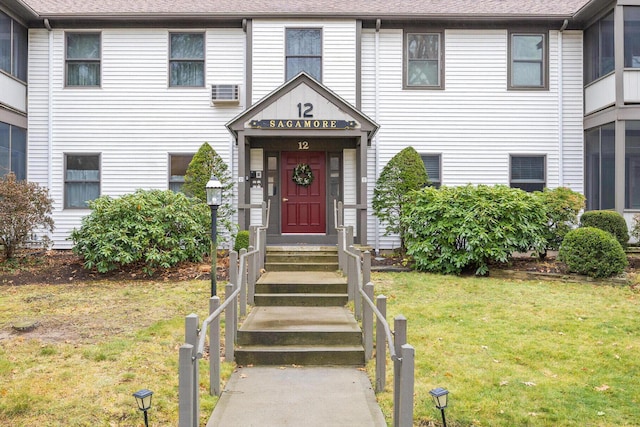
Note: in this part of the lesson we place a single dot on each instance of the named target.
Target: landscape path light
(143, 399)
(214, 200)
(440, 397)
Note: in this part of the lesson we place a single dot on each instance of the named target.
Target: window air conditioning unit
(225, 94)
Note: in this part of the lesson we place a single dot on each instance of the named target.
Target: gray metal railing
(357, 267)
(238, 292)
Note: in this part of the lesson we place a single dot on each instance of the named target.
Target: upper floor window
(186, 59)
(303, 52)
(528, 53)
(527, 172)
(178, 164)
(83, 59)
(13, 47)
(598, 49)
(81, 179)
(13, 151)
(632, 36)
(423, 67)
(432, 165)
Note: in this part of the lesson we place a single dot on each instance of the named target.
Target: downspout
(376, 114)
(560, 106)
(47, 25)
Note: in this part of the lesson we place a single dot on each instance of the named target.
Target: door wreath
(302, 175)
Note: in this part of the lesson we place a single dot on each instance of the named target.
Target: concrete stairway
(300, 316)
(302, 258)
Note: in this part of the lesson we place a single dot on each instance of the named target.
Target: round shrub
(242, 240)
(156, 228)
(610, 221)
(594, 252)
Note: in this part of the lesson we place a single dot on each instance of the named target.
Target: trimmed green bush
(456, 228)
(157, 228)
(242, 240)
(610, 221)
(592, 251)
(404, 173)
(562, 207)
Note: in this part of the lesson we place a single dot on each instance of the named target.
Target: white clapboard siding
(134, 120)
(38, 123)
(350, 188)
(475, 122)
(338, 55)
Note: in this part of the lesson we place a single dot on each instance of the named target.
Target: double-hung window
(81, 179)
(632, 36)
(13, 151)
(82, 58)
(13, 47)
(432, 165)
(304, 52)
(178, 164)
(599, 49)
(423, 60)
(527, 172)
(186, 59)
(528, 64)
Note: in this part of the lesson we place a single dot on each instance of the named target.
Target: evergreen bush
(404, 173)
(457, 228)
(592, 251)
(562, 207)
(610, 221)
(154, 227)
(242, 240)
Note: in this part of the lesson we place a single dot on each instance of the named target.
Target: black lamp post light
(214, 199)
(439, 396)
(143, 399)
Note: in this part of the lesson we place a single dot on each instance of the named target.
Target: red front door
(303, 207)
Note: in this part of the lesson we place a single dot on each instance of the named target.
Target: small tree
(562, 207)
(24, 206)
(204, 162)
(404, 172)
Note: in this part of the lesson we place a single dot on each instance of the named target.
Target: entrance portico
(301, 148)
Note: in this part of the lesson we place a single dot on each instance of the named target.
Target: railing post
(233, 267)
(229, 325)
(381, 353)
(214, 349)
(367, 322)
(242, 274)
(252, 235)
(191, 337)
(349, 236)
(400, 339)
(185, 386)
(407, 385)
(341, 265)
(353, 271)
(366, 267)
(340, 214)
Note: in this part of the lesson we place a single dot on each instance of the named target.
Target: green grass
(519, 353)
(96, 345)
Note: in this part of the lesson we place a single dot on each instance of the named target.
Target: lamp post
(439, 396)
(214, 199)
(143, 398)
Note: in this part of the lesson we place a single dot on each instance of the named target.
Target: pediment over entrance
(302, 104)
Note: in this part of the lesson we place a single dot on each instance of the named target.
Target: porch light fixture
(214, 199)
(143, 399)
(439, 396)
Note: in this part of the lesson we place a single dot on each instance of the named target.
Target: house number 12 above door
(303, 145)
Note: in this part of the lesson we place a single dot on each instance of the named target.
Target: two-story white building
(102, 98)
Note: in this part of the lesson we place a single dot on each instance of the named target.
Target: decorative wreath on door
(302, 175)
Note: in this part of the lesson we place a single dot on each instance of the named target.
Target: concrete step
(311, 257)
(283, 338)
(301, 258)
(297, 265)
(301, 300)
(300, 355)
(312, 288)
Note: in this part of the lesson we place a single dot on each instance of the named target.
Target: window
(303, 52)
(422, 60)
(83, 59)
(527, 172)
(528, 53)
(178, 164)
(81, 179)
(598, 49)
(632, 36)
(13, 47)
(186, 59)
(13, 151)
(599, 167)
(432, 165)
(632, 165)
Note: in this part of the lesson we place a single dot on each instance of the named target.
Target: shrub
(157, 228)
(610, 221)
(404, 172)
(562, 207)
(635, 230)
(456, 228)
(592, 251)
(204, 162)
(24, 207)
(242, 240)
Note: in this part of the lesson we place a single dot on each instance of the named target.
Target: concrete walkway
(297, 396)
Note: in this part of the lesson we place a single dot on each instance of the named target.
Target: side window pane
(527, 60)
(608, 167)
(303, 52)
(20, 51)
(19, 152)
(606, 45)
(5, 43)
(186, 59)
(83, 59)
(5, 154)
(528, 172)
(82, 180)
(632, 36)
(599, 167)
(423, 59)
(432, 165)
(178, 169)
(632, 164)
(592, 168)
